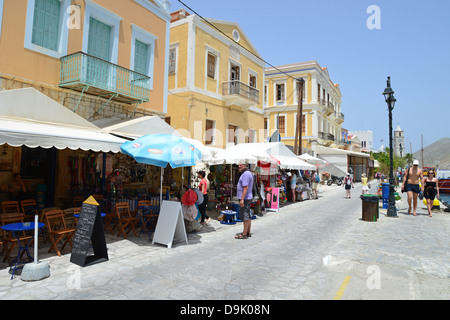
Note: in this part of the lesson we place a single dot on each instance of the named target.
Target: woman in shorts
(430, 190)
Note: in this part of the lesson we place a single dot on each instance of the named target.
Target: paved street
(316, 249)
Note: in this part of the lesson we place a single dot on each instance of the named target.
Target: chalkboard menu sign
(89, 229)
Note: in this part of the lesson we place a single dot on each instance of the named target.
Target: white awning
(268, 152)
(30, 118)
(138, 127)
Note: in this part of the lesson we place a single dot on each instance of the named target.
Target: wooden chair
(124, 219)
(29, 208)
(71, 221)
(9, 240)
(78, 201)
(147, 216)
(58, 230)
(10, 207)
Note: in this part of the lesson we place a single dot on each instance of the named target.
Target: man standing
(244, 193)
(411, 185)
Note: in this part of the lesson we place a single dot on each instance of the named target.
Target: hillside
(435, 154)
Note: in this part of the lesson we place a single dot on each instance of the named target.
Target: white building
(366, 139)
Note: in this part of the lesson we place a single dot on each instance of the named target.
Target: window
(45, 30)
(265, 95)
(211, 65)
(281, 124)
(209, 132)
(105, 29)
(280, 92)
(172, 61)
(142, 52)
(252, 81)
(232, 134)
(141, 57)
(251, 135)
(46, 23)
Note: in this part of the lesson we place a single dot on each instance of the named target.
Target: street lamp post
(390, 100)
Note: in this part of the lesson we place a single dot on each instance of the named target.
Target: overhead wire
(226, 35)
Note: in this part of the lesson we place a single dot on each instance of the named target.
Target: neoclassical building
(322, 116)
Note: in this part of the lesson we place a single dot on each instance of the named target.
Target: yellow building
(216, 82)
(322, 117)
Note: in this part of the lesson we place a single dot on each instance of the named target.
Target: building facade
(100, 59)
(322, 117)
(216, 82)
(96, 57)
(366, 139)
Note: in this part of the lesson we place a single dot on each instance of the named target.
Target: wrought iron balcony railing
(86, 73)
(241, 89)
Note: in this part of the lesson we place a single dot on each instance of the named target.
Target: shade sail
(30, 118)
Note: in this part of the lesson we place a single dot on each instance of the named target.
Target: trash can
(370, 210)
(385, 190)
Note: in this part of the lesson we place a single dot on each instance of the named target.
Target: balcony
(239, 94)
(88, 74)
(339, 117)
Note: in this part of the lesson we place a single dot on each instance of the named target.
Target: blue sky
(412, 46)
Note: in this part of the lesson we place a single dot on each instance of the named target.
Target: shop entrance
(38, 168)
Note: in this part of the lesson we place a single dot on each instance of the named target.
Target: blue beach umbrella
(162, 150)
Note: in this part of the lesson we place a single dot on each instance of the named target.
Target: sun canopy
(139, 127)
(30, 118)
(275, 152)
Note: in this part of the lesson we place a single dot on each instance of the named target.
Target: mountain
(436, 154)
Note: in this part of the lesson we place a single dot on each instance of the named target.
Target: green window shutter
(141, 57)
(46, 23)
(99, 40)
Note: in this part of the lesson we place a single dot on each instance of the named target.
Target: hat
(415, 162)
(363, 174)
(348, 173)
(189, 198)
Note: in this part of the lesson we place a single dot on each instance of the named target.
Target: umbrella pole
(160, 190)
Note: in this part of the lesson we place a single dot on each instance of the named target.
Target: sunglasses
(431, 172)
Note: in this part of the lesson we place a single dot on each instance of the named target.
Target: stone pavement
(306, 251)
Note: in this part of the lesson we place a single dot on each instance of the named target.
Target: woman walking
(430, 190)
(364, 181)
(348, 185)
(204, 190)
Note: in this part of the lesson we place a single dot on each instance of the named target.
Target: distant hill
(435, 154)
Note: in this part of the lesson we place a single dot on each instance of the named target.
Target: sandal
(241, 236)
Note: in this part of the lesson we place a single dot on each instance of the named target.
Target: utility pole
(299, 130)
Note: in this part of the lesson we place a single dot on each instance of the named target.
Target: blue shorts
(413, 188)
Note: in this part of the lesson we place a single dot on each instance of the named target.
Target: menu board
(89, 230)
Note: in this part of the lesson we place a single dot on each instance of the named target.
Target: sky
(411, 44)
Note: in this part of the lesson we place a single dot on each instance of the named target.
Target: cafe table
(16, 229)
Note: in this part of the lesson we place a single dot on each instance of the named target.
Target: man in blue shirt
(244, 193)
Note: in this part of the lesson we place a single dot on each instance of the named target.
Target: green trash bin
(370, 208)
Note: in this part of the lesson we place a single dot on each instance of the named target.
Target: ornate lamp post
(390, 100)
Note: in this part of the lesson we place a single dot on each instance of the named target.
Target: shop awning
(275, 152)
(30, 118)
(136, 128)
